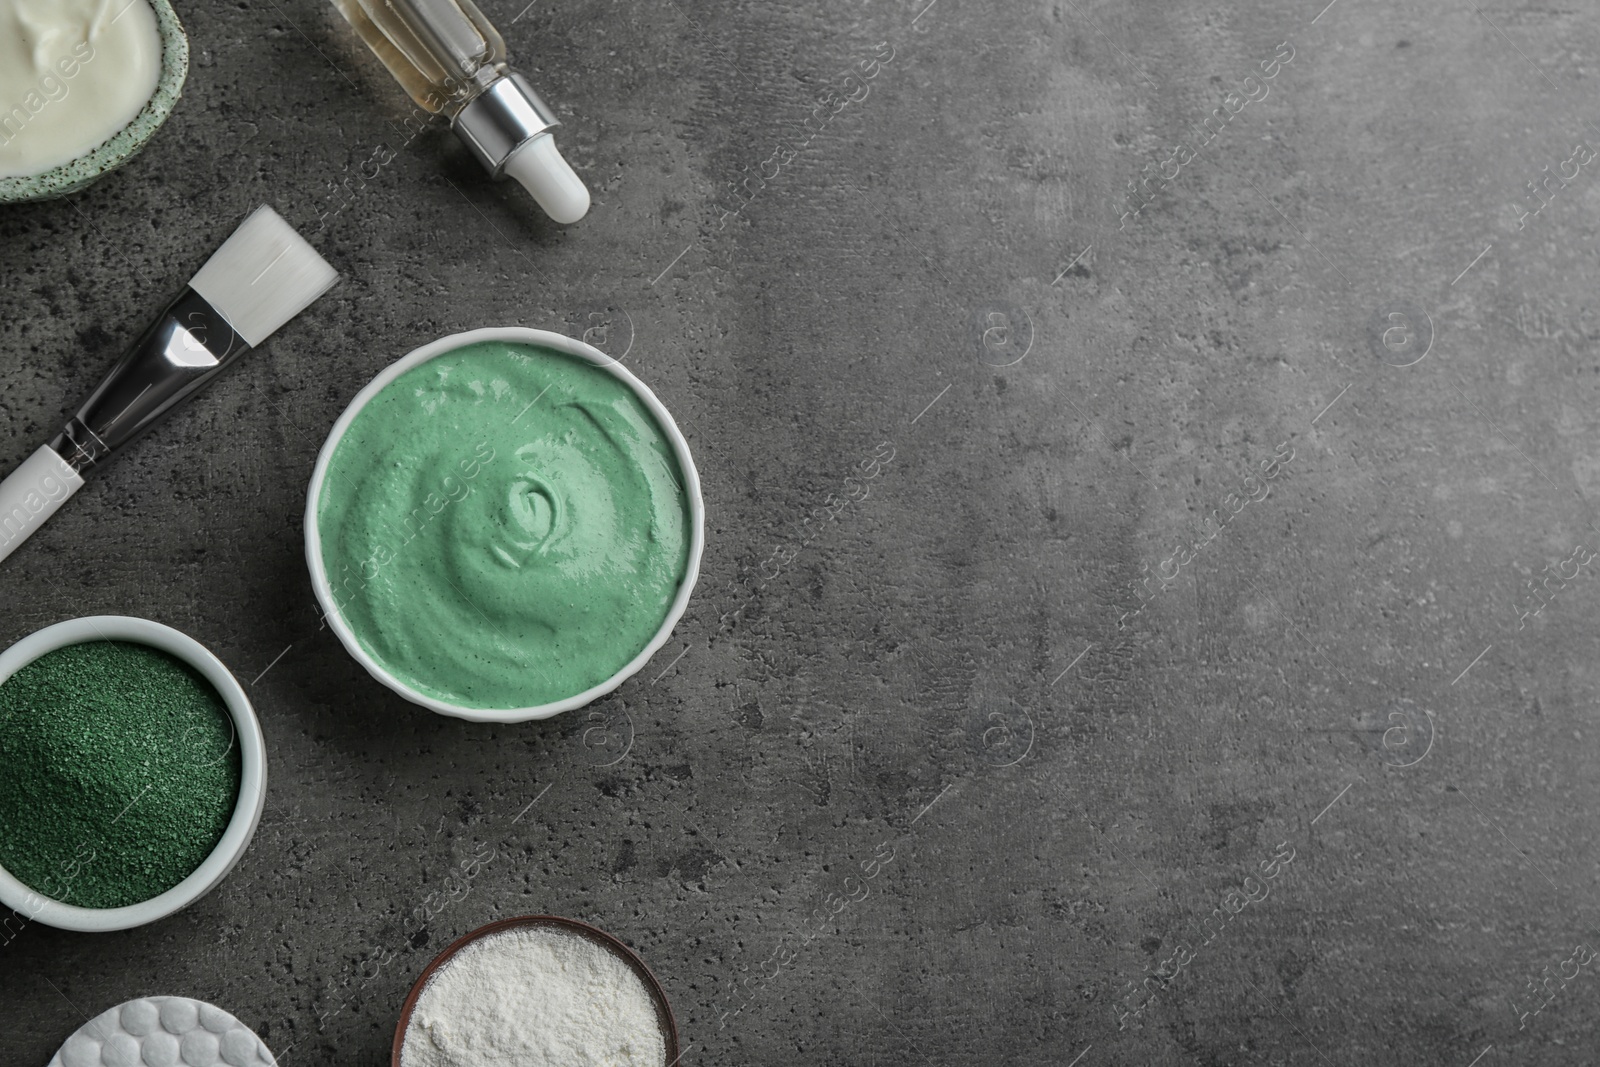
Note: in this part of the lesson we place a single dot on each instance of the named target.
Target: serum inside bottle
(452, 61)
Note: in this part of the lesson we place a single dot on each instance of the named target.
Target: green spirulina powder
(119, 770)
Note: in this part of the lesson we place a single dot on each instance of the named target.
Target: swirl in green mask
(504, 526)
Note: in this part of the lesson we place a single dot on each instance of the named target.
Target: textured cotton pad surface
(164, 1032)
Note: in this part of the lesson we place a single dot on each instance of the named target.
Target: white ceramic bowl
(511, 335)
(30, 905)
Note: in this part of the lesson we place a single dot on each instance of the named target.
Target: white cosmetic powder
(530, 997)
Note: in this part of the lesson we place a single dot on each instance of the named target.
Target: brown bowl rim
(669, 1023)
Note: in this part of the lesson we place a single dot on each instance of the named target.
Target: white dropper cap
(539, 166)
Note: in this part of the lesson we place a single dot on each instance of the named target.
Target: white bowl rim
(27, 902)
(515, 335)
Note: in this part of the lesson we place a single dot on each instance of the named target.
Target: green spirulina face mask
(504, 526)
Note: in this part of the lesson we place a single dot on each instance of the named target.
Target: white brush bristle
(263, 276)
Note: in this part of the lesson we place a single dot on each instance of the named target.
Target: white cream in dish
(72, 73)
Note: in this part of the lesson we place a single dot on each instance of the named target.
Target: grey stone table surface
(1208, 676)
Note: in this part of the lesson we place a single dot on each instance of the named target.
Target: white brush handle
(32, 494)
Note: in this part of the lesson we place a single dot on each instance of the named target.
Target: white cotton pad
(164, 1032)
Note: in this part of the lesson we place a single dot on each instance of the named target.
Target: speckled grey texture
(943, 774)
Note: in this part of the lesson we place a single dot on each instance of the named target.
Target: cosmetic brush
(262, 276)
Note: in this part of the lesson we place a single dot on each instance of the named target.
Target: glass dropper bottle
(453, 62)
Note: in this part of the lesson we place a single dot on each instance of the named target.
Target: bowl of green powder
(132, 774)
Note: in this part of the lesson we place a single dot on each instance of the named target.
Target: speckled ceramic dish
(123, 145)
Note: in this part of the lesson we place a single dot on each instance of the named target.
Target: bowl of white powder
(535, 991)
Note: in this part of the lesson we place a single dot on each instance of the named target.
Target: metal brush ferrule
(174, 359)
